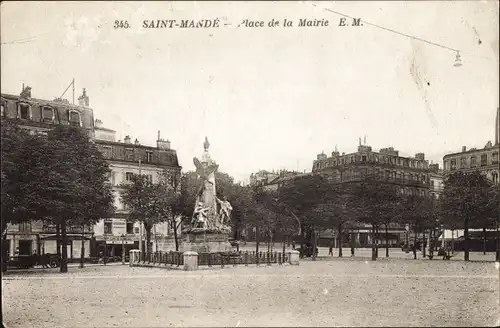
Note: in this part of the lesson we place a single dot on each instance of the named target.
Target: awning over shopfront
(69, 236)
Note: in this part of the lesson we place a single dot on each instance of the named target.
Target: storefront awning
(69, 236)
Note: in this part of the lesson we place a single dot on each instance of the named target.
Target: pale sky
(267, 98)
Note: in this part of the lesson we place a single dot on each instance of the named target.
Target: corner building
(411, 174)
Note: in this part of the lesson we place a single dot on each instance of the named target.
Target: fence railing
(211, 259)
(166, 258)
(242, 258)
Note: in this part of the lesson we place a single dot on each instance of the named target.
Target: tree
(20, 156)
(466, 198)
(299, 198)
(169, 202)
(376, 203)
(147, 203)
(336, 210)
(58, 178)
(75, 182)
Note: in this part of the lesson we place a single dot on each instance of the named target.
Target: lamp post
(123, 249)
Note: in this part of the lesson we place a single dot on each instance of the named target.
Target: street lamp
(123, 249)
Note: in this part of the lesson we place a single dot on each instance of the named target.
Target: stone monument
(209, 229)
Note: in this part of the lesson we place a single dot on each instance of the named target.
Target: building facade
(126, 159)
(484, 160)
(40, 116)
(110, 235)
(411, 174)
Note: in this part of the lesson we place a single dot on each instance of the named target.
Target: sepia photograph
(250, 164)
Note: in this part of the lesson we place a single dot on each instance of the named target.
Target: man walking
(330, 249)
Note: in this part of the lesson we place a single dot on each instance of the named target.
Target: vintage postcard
(250, 164)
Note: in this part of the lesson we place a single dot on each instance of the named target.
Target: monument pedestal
(202, 241)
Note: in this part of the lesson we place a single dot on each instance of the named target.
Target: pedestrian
(330, 249)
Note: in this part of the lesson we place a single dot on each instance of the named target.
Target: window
(74, 118)
(453, 164)
(494, 158)
(47, 114)
(494, 177)
(130, 228)
(484, 159)
(352, 159)
(363, 158)
(25, 227)
(432, 183)
(128, 176)
(149, 156)
(107, 227)
(136, 230)
(463, 162)
(149, 177)
(129, 154)
(376, 159)
(24, 111)
(472, 161)
(107, 152)
(111, 177)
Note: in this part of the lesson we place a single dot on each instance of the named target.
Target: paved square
(392, 292)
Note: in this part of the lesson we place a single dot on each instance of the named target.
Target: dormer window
(74, 118)
(24, 111)
(48, 114)
(149, 156)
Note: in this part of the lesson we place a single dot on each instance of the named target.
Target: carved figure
(200, 216)
(225, 211)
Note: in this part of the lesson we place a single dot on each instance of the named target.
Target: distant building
(278, 179)
(436, 178)
(411, 174)
(262, 177)
(484, 160)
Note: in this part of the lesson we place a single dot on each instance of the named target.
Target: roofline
(116, 143)
(473, 151)
(44, 102)
(104, 129)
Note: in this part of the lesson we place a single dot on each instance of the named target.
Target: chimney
(127, 140)
(464, 149)
(83, 100)
(136, 142)
(163, 144)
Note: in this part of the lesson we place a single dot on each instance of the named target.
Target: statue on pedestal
(205, 215)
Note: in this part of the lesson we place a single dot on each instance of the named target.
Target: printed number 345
(121, 24)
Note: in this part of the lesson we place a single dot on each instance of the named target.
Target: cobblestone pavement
(392, 292)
